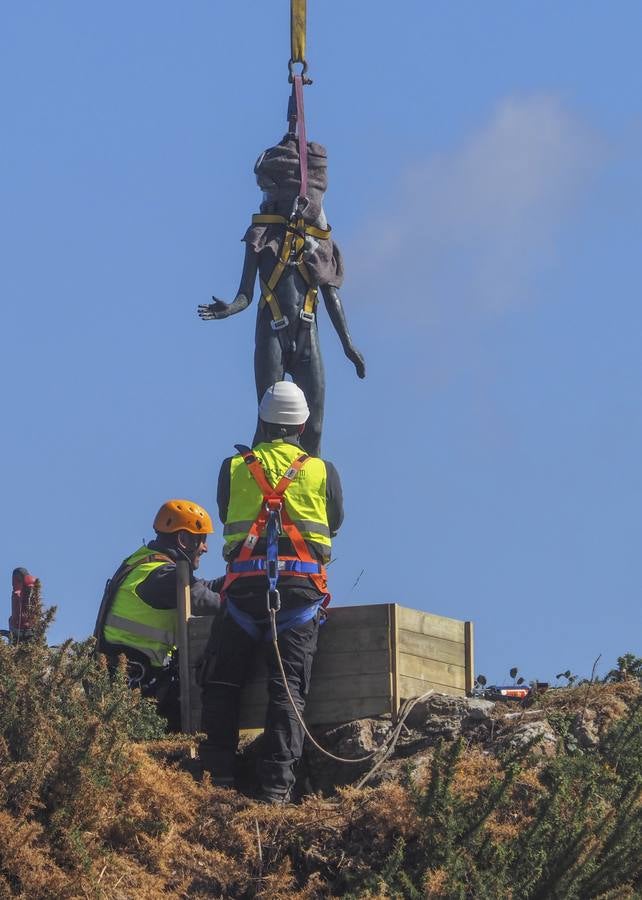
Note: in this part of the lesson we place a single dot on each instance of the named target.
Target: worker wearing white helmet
(304, 495)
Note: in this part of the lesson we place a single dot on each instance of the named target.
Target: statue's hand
(359, 362)
(216, 310)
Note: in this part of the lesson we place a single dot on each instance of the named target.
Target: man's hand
(355, 357)
(216, 310)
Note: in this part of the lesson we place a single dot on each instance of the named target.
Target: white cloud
(478, 224)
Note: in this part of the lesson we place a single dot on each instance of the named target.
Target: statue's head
(279, 177)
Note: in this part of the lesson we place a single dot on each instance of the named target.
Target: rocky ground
(577, 718)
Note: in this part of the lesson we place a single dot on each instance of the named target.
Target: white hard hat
(284, 404)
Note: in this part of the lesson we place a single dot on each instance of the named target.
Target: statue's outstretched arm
(338, 318)
(221, 310)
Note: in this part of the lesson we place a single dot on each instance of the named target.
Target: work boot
(224, 781)
(272, 799)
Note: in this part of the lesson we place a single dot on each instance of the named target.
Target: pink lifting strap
(303, 146)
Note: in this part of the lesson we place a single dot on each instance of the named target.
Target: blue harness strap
(272, 532)
(259, 629)
(259, 564)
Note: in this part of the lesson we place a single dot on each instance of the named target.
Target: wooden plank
(334, 687)
(427, 647)
(429, 670)
(433, 626)
(363, 662)
(470, 657)
(351, 652)
(331, 687)
(415, 687)
(345, 665)
(337, 639)
(325, 712)
(347, 629)
(368, 615)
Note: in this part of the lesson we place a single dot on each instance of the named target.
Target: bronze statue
(289, 244)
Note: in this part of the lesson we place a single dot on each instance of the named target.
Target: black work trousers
(232, 654)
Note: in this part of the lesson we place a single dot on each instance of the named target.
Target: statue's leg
(268, 360)
(310, 377)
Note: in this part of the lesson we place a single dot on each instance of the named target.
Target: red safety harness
(273, 502)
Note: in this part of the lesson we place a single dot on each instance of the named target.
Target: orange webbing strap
(320, 579)
(296, 538)
(270, 495)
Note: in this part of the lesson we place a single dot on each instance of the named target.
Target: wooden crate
(369, 659)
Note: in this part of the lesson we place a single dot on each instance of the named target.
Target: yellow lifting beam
(297, 30)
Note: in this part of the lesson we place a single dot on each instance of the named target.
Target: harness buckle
(279, 324)
(273, 600)
(307, 316)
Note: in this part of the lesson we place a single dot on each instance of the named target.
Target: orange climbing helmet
(183, 515)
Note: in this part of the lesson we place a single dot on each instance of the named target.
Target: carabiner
(273, 600)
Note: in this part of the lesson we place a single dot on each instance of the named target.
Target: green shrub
(64, 730)
(579, 836)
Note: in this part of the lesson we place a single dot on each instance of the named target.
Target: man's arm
(206, 601)
(334, 498)
(223, 489)
(158, 590)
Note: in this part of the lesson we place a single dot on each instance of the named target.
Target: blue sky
(486, 191)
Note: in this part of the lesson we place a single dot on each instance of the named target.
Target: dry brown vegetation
(93, 804)
(156, 831)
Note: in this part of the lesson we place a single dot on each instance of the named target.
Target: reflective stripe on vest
(305, 500)
(146, 631)
(131, 622)
(304, 525)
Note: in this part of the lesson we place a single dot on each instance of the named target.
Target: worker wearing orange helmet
(138, 615)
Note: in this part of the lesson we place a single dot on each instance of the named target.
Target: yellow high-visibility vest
(132, 622)
(305, 498)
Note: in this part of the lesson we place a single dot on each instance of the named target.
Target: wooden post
(393, 625)
(469, 650)
(184, 611)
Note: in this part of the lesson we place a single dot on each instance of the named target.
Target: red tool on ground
(514, 691)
